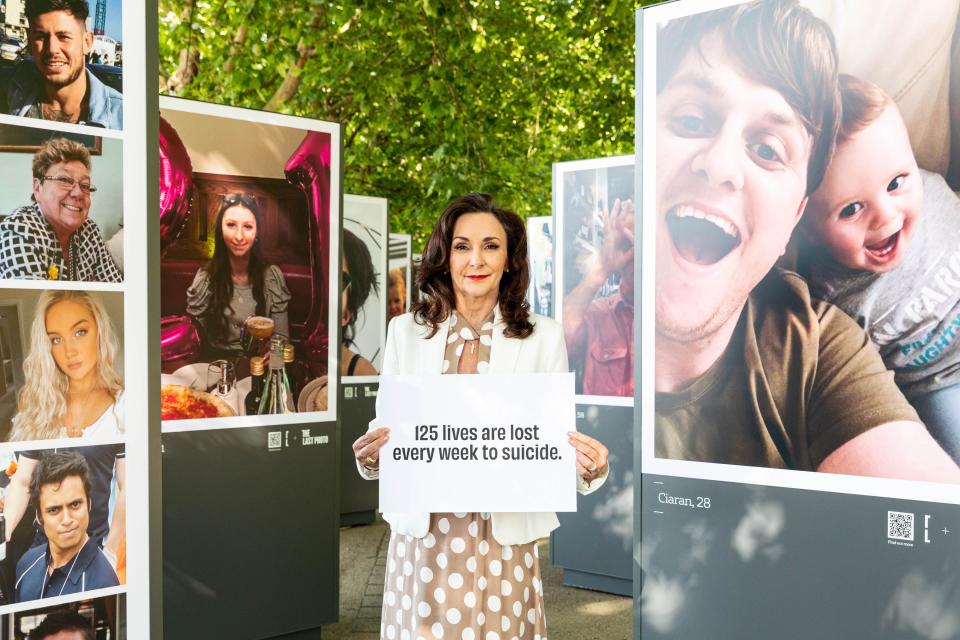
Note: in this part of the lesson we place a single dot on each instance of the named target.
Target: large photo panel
(249, 268)
(593, 214)
(800, 300)
(365, 298)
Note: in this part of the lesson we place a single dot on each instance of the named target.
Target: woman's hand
(591, 456)
(366, 449)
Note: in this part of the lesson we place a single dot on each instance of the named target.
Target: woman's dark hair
(363, 279)
(221, 282)
(433, 277)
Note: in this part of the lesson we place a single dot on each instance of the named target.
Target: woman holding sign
(462, 575)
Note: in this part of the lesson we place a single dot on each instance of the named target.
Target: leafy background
(437, 98)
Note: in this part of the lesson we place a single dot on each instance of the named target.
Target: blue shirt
(104, 104)
(88, 569)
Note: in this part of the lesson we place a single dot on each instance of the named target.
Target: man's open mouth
(699, 237)
(885, 247)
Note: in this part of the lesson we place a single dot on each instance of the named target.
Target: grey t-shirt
(912, 313)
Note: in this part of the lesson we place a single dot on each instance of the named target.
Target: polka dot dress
(458, 582)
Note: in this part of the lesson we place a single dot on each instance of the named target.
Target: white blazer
(409, 351)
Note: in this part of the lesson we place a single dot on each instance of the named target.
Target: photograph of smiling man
(750, 369)
(53, 80)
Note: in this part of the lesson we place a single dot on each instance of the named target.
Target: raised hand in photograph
(599, 331)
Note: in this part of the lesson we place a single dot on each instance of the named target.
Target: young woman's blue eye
(56, 340)
(82, 332)
(896, 183)
(850, 210)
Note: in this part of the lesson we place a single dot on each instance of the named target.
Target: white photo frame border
(648, 20)
(334, 130)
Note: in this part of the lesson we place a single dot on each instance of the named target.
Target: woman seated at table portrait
(359, 280)
(71, 388)
(473, 575)
(236, 283)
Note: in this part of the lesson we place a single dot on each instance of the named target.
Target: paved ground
(572, 614)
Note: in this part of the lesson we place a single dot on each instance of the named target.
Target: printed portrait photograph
(366, 293)
(62, 61)
(87, 619)
(800, 192)
(62, 365)
(61, 206)
(249, 238)
(400, 276)
(64, 519)
(593, 210)
(540, 245)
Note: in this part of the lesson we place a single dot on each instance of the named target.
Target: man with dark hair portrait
(70, 561)
(56, 85)
(63, 625)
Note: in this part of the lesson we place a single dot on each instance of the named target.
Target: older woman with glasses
(54, 238)
(236, 283)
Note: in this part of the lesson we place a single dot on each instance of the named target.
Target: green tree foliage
(437, 98)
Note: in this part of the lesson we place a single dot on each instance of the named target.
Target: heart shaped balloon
(176, 186)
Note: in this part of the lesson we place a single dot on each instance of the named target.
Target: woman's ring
(593, 467)
(371, 460)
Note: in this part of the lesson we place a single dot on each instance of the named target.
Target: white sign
(492, 442)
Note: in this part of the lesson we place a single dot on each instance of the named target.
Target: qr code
(899, 525)
(274, 440)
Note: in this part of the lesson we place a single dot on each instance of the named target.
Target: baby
(885, 248)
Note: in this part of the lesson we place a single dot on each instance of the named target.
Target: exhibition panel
(592, 297)
(795, 424)
(251, 281)
(74, 442)
(373, 289)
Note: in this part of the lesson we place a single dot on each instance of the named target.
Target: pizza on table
(179, 402)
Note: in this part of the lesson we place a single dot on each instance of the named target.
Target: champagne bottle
(252, 401)
(292, 371)
(276, 391)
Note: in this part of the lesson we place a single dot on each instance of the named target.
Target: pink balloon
(179, 342)
(176, 186)
(309, 169)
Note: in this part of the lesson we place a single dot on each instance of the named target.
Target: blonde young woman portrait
(467, 575)
(71, 389)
